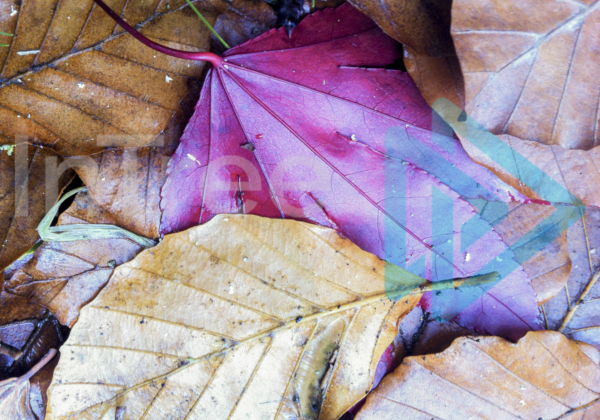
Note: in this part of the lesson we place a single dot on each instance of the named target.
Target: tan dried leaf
(243, 317)
(531, 68)
(544, 375)
(64, 276)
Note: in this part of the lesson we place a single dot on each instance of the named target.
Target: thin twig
(545, 317)
(585, 292)
(594, 327)
(588, 288)
(208, 25)
(568, 297)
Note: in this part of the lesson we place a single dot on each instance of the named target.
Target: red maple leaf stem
(214, 59)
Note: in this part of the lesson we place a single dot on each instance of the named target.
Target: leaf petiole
(214, 59)
(208, 25)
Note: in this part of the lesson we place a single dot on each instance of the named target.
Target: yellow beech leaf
(241, 318)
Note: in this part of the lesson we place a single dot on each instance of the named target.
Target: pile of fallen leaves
(390, 212)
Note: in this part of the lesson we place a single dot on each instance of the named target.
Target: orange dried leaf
(82, 85)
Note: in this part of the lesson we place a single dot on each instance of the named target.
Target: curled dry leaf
(27, 333)
(243, 317)
(544, 375)
(24, 343)
(15, 393)
(534, 78)
(27, 190)
(64, 276)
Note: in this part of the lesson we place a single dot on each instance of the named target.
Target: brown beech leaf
(242, 317)
(534, 78)
(544, 375)
(576, 170)
(422, 25)
(64, 276)
(436, 77)
(127, 182)
(16, 308)
(548, 268)
(23, 207)
(15, 393)
(575, 311)
(72, 80)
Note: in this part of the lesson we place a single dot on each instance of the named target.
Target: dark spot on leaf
(248, 146)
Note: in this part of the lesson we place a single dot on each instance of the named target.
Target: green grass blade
(83, 232)
(208, 25)
(6, 34)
